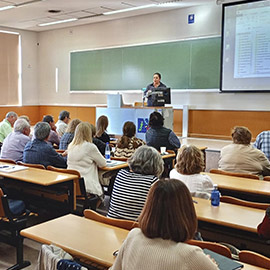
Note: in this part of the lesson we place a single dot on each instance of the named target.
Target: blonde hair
(94, 130)
(83, 133)
(102, 124)
(189, 160)
(72, 125)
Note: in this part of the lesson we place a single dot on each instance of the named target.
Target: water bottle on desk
(107, 152)
(215, 196)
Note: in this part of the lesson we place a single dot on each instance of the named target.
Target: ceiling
(27, 14)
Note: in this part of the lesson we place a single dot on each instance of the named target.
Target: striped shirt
(129, 194)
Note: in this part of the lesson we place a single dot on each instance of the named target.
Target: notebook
(112, 163)
(12, 168)
(223, 262)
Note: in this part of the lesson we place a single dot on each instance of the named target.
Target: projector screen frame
(221, 90)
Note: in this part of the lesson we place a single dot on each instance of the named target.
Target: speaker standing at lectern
(153, 87)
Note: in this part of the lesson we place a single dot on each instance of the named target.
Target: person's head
(129, 129)
(22, 126)
(64, 116)
(42, 131)
(83, 133)
(169, 212)
(156, 120)
(241, 135)
(189, 160)
(49, 119)
(25, 117)
(11, 117)
(146, 160)
(102, 124)
(72, 125)
(156, 78)
(94, 130)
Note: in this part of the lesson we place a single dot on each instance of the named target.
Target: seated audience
(99, 143)
(131, 186)
(102, 124)
(53, 137)
(242, 157)
(128, 143)
(15, 142)
(168, 219)
(68, 136)
(62, 123)
(189, 165)
(38, 151)
(84, 157)
(263, 143)
(158, 136)
(264, 227)
(25, 117)
(6, 125)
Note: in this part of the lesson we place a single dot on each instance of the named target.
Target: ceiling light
(57, 22)
(128, 9)
(6, 7)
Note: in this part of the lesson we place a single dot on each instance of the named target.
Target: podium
(138, 115)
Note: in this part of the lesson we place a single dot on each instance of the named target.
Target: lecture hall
(110, 109)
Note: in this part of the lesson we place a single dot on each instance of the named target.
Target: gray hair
(9, 114)
(42, 130)
(20, 124)
(146, 160)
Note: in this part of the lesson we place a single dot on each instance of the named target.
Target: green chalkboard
(189, 64)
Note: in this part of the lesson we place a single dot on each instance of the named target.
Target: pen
(194, 201)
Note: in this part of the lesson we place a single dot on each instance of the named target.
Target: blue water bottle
(215, 196)
(107, 152)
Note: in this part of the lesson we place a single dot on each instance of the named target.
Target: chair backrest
(2, 210)
(246, 175)
(68, 171)
(232, 200)
(266, 178)
(124, 224)
(37, 166)
(7, 160)
(218, 248)
(254, 258)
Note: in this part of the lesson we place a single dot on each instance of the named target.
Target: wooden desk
(43, 179)
(231, 223)
(84, 238)
(250, 189)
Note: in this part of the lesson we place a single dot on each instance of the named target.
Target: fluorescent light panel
(57, 22)
(128, 9)
(6, 7)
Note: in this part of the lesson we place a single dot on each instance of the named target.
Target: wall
(56, 45)
(29, 49)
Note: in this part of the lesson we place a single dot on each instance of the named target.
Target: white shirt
(61, 127)
(199, 185)
(86, 159)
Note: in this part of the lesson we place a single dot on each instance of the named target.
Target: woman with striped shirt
(131, 187)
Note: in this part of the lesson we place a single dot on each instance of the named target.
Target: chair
(7, 161)
(38, 166)
(218, 248)
(121, 223)
(10, 227)
(81, 194)
(254, 258)
(59, 151)
(245, 175)
(232, 200)
(266, 178)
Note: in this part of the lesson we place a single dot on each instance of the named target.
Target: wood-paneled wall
(202, 123)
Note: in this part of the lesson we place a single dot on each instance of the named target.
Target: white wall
(29, 66)
(55, 46)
